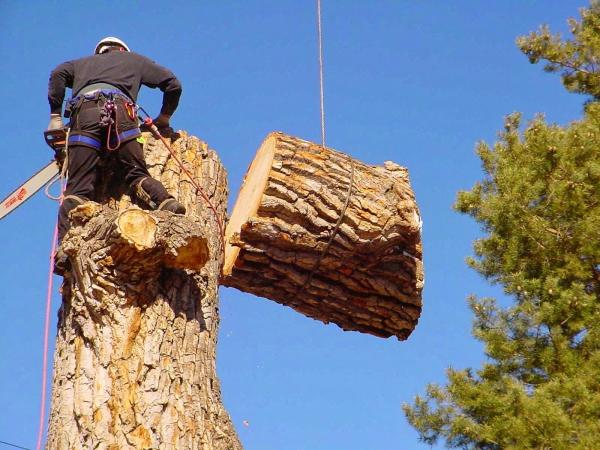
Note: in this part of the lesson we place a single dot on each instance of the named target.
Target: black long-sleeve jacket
(125, 70)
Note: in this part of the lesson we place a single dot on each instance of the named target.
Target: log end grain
(137, 227)
(249, 197)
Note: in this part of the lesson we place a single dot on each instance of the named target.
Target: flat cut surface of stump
(369, 278)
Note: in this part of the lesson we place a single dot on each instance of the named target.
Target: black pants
(84, 156)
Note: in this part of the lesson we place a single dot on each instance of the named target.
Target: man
(103, 118)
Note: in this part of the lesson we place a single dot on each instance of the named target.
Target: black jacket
(124, 70)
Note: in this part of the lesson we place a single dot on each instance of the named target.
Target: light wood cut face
(138, 227)
(248, 200)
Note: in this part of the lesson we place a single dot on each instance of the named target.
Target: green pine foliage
(539, 208)
(576, 59)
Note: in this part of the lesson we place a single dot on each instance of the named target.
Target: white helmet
(109, 41)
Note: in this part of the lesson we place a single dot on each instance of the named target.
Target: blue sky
(417, 82)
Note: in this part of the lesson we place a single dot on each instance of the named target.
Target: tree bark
(134, 366)
(329, 236)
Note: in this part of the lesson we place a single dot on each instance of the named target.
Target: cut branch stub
(156, 236)
(369, 278)
(138, 228)
(183, 241)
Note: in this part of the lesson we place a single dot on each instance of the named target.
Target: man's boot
(172, 205)
(61, 262)
(154, 194)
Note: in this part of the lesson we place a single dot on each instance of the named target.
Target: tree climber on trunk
(103, 117)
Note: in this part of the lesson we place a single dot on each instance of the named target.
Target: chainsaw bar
(27, 189)
(56, 140)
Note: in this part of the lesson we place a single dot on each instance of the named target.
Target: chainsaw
(56, 139)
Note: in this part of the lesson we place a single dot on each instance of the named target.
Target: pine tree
(539, 208)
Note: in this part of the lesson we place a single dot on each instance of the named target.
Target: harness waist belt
(81, 139)
(93, 88)
(92, 92)
(128, 134)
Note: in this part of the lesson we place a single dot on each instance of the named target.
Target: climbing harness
(108, 119)
(107, 98)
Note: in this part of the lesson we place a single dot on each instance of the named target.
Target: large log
(329, 236)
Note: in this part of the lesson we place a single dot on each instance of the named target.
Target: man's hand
(162, 121)
(55, 122)
(163, 125)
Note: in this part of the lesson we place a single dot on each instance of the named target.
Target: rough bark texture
(135, 352)
(371, 277)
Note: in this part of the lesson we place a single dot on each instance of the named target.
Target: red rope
(157, 134)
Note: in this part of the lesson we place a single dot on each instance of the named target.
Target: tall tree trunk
(134, 366)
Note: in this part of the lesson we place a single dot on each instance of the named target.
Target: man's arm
(60, 79)
(154, 76)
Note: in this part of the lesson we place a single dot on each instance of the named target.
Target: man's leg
(151, 191)
(81, 165)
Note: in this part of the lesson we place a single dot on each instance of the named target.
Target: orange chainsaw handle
(56, 139)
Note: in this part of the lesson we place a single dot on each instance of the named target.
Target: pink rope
(47, 321)
(46, 334)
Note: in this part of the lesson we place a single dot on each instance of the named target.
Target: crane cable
(307, 282)
(321, 82)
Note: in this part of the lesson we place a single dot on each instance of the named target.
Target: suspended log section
(329, 236)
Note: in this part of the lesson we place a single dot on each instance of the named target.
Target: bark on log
(371, 276)
(134, 366)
